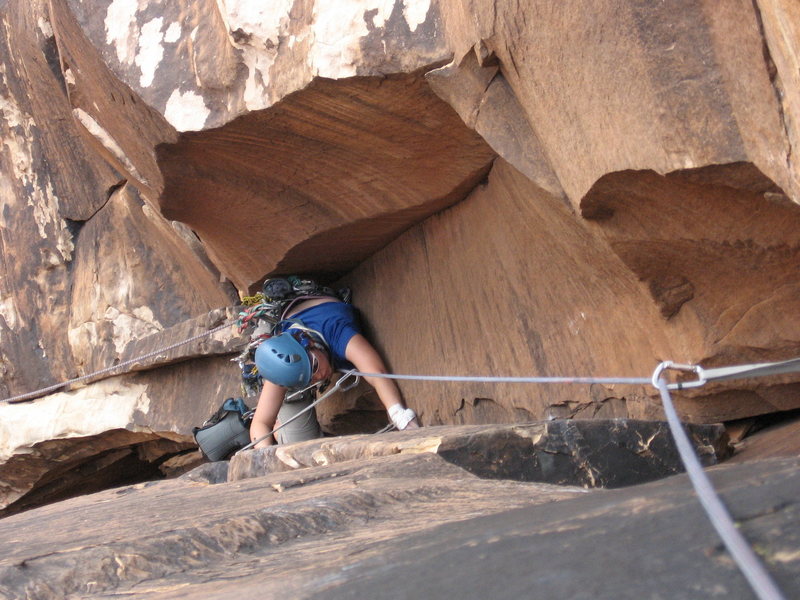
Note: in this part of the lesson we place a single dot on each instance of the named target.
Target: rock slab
(593, 453)
(401, 525)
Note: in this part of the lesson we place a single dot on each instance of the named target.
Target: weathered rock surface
(587, 547)
(509, 188)
(173, 527)
(94, 117)
(81, 248)
(677, 85)
(89, 270)
(592, 454)
(353, 145)
(673, 292)
(397, 525)
(237, 57)
(134, 422)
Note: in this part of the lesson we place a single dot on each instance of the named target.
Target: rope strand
(41, 392)
(484, 379)
(740, 549)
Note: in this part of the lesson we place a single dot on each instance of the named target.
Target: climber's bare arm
(366, 359)
(269, 403)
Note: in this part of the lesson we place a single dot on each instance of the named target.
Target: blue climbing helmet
(284, 361)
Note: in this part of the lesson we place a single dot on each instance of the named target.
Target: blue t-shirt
(336, 321)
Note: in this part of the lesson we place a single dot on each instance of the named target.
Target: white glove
(401, 416)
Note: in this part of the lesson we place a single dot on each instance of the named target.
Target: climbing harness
(280, 294)
(268, 309)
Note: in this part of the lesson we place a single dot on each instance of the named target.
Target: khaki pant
(304, 427)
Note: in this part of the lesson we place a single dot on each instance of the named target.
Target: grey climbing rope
(704, 376)
(98, 374)
(482, 379)
(735, 372)
(747, 561)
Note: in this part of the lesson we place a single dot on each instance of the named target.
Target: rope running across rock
(109, 370)
(747, 561)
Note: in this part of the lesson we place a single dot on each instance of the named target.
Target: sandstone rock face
(235, 57)
(357, 160)
(590, 533)
(128, 425)
(89, 267)
(396, 524)
(672, 86)
(503, 311)
(509, 188)
(698, 99)
(770, 440)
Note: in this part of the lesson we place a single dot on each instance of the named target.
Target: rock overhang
(322, 179)
(314, 116)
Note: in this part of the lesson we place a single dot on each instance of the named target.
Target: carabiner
(341, 379)
(681, 385)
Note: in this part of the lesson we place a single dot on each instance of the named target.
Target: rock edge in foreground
(593, 453)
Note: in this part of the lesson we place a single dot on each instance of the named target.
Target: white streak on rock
(105, 138)
(12, 115)
(338, 29)
(9, 312)
(41, 198)
(100, 407)
(83, 336)
(263, 25)
(122, 30)
(415, 12)
(286, 458)
(137, 324)
(45, 27)
(124, 324)
(255, 91)
(65, 243)
(263, 21)
(384, 11)
(173, 33)
(186, 111)
(264, 32)
(151, 52)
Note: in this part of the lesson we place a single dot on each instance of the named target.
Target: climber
(315, 338)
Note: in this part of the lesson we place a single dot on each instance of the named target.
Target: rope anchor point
(668, 365)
